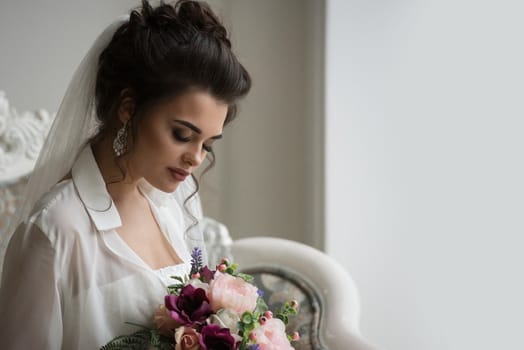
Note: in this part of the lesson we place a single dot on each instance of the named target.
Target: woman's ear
(126, 108)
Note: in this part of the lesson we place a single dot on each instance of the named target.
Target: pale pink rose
(271, 335)
(164, 322)
(229, 292)
(187, 338)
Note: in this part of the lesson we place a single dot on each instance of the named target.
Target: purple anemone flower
(190, 307)
(213, 337)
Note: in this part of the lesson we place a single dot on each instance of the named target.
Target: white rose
(199, 284)
(226, 318)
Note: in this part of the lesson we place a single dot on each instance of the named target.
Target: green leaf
(247, 318)
(178, 278)
(261, 306)
(245, 277)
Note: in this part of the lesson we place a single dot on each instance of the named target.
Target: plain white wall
(43, 42)
(424, 190)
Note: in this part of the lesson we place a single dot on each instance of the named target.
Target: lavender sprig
(196, 260)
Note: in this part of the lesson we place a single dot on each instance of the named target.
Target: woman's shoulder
(59, 210)
(60, 196)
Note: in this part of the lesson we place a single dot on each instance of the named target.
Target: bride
(112, 209)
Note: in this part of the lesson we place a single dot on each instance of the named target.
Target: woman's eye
(179, 135)
(207, 148)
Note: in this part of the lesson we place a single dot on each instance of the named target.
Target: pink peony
(271, 335)
(187, 338)
(229, 292)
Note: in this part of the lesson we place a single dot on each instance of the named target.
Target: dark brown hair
(163, 52)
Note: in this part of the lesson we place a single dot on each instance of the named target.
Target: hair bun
(194, 14)
(148, 17)
(199, 15)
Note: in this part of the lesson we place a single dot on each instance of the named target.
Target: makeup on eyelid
(178, 135)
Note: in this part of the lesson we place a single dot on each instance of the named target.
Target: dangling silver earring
(120, 141)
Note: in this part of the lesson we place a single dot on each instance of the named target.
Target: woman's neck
(119, 179)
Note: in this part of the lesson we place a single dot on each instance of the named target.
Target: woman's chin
(169, 188)
(165, 186)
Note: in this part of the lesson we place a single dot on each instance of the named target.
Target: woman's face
(174, 138)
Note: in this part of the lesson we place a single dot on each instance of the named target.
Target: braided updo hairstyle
(164, 52)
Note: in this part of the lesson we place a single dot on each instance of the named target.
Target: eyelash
(177, 135)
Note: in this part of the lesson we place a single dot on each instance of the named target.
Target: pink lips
(178, 174)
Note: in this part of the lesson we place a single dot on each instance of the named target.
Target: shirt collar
(93, 192)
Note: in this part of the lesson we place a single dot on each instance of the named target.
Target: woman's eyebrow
(189, 125)
(195, 128)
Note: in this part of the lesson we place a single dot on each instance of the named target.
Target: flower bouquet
(213, 310)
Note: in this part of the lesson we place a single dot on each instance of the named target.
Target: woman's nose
(194, 156)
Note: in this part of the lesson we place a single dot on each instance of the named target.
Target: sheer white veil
(74, 124)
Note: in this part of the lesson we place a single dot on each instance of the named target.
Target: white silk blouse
(69, 281)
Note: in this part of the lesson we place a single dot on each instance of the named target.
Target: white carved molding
(21, 137)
